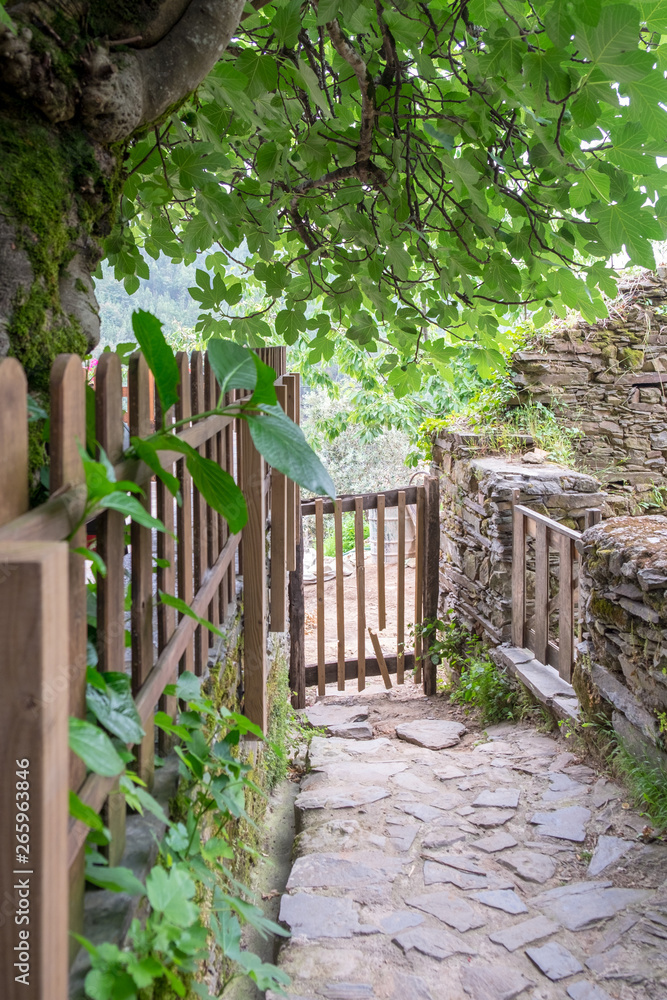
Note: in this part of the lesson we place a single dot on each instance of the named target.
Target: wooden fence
(43, 612)
(545, 617)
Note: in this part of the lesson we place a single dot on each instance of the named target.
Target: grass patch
(646, 783)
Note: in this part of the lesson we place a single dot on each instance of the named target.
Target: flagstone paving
(496, 867)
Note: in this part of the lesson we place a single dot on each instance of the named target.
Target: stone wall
(476, 524)
(606, 379)
(622, 669)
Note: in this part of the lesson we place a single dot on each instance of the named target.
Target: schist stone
(450, 909)
(353, 731)
(442, 840)
(502, 899)
(312, 871)
(319, 916)
(435, 873)
(340, 797)
(402, 836)
(530, 866)
(458, 861)
(519, 935)
(433, 734)
(409, 986)
(564, 824)
(490, 817)
(583, 990)
(495, 842)
(504, 798)
(497, 982)
(323, 715)
(608, 850)
(398, 921)
(555, 961)
(420, 811)
(432, 941)
(582, 904)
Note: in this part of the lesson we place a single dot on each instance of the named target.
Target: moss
(593, 705)
(608, 612)
(630, 358)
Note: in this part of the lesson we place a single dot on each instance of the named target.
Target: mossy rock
(608, 612)
(630, 358)
(593, 706)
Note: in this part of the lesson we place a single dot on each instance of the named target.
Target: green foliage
(347, 534)
(646, 782)
(476, 681)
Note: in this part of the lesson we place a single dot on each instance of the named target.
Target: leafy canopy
(417, 175)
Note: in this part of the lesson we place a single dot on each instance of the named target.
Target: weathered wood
(13, 440)
(518, 572)
(33, 729)
(379, 655)
(419, 581)
(200, 547)
(166, 579)
(541, 592)
(141, 538)
(297, 668)
(593, 515)
(431, 575)
(566, 610)
(400, 599)
(289, 382)
(184, 513)
(361, 592)
(111, 547)
(319, 578)
(213, 455)
(380, 567)
(340, 594)
(369, 500)
(352, 669)
(537, 518)
(279, 539)
(254, 581)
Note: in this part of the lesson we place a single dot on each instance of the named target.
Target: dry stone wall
(622, 669)
(607, 380)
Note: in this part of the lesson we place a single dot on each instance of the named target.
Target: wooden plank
(13, 440)
(278, 613)
(254, 581)
(184, 562)
(340, 594)
(319, 578)
(541, 593)
(141, 539)
(380, 658)
(518, 573)
(289, 382)
(419, 580)
(352, 668)
(233, 470)
(566, 610)
(400, 599)
(34, 708)
(297, 490)
(556, 526)
(200, 547)
(166, 579)
(361, 592)
(212, 452)
(111, 547)
(297, 669)
(369, 500)
(431, 575)
(592, 516)
(382, 603)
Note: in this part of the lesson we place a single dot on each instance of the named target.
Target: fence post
(278, 538)
(34, 625)
(431, 575)
(254, 580)
(14, 438)
(518, 573)
(297, 669)
(199, 524)
(184, 510)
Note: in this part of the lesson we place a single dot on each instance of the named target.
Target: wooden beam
(254, 581)
(297, 669)
(400, 592)
(319, 582)
(14, 439)
(431, 575)
(352, 669)
(541, 593)
(340, 593)
(369, 501)
(518, 572)
(361, 591)
(278, 610)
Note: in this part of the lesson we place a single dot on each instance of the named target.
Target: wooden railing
(44, 614)
(555, 592)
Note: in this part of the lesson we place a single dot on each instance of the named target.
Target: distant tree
(411, 173)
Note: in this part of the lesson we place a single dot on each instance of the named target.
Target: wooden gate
(370, 602)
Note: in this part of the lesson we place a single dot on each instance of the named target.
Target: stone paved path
(485, 870)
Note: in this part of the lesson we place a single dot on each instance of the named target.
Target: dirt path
(499, 867)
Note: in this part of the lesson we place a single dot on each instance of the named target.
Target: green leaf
(287, 23)
(284, 447)
(80, 811)
(147, 452)
(170, 893)
(289, 323)
(232, 365)
(114, 707)
(131, 507)
(94, 557)
(646, 96)
(266, 161)
(159, 356)
(265, 390)
(94, 748)
(6, 19)
(115, 879)
(616, 32)
(185, 609)
(629, 224)
(260, 70)
(215, 484)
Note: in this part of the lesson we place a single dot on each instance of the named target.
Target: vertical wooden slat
(382, 664)
(541, 592)
(184, 513)
(340, 591)
(382, 602)
(566, 609)
(142, 567)
(213, 455)
(239, 457)
(419, 581)
(278, 539)
(431, 576)
(297, 490)
(291, 510)
(34, 625)
(361, 590)
(166, 578)
(13, 440)
(518, 574)
(297, 670)
(223, 529)
(592, 515)
(400, 600)
(254, 581)
(319, 574)
(200, 548)
(111, 547)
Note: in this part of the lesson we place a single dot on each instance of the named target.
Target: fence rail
(44, 642)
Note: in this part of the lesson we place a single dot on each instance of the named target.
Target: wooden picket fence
(43, 611)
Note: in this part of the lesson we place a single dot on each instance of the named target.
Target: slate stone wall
(624, 593)
(605, 379)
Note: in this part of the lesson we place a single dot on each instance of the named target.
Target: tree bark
(77, 81)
